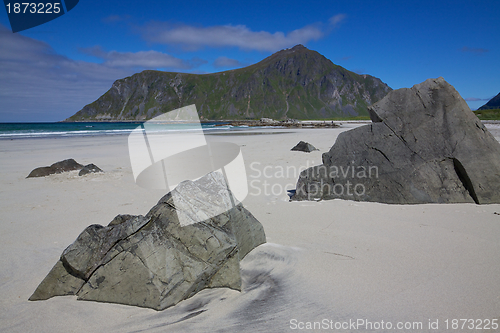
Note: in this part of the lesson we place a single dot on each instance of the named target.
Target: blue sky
(49, 72)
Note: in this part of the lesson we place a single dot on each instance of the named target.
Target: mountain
(293, 83)
(493, 103)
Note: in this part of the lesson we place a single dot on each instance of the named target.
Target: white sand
(332, 260)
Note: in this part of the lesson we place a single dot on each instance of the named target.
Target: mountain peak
(298, 47)
(295, 51)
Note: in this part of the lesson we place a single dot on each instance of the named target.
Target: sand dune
(325, 262)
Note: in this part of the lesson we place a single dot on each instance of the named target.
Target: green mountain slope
(292, 83)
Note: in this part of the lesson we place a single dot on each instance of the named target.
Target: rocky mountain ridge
(293, 83)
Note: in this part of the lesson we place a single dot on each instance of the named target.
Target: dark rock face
(493, 103)
(304, 146)
(155, 261)
(62, 166)
(89, 168)
(424, 146)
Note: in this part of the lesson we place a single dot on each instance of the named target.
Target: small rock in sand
(89, 168)
(304, 146)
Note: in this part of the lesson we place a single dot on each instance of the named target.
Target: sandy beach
(326, 265)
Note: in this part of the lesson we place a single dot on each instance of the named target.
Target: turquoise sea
(46, 130)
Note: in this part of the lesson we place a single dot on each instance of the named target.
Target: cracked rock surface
(424, 145)
(154, 261)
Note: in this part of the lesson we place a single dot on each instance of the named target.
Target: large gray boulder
(155, 261)
(424, 145)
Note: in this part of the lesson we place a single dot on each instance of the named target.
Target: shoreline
(237, 129)
(85, 129)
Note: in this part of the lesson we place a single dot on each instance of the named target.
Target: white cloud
(337, 19)
(225, 62)
(475, 99)
(116, 18)
(141, 59)
(192, 38)
(474, 50)
(149, 59)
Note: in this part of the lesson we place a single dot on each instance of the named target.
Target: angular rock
(89, 168)
(424, 145)
(58, 167)
(155, 261)
(305, 147)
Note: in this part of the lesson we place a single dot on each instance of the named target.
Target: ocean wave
(47, 130)
(29, 134)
